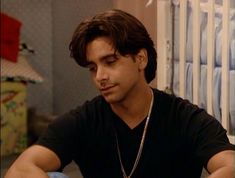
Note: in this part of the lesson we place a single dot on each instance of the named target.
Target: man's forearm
(225, 172)
(25, 171)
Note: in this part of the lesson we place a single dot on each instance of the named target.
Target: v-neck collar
(121, 126)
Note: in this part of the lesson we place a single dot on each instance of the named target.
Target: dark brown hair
(127, 33)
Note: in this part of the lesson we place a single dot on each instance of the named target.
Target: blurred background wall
(47, 26)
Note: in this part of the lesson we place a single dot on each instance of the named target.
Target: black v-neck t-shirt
(128, 142)
(180, 140)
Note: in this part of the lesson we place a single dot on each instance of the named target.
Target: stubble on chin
(111, 98)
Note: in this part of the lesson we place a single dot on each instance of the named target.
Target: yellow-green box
(13, 117)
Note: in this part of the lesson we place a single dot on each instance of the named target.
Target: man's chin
(111, 99)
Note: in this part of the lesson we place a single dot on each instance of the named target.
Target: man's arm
(34, 162)
(222, 165)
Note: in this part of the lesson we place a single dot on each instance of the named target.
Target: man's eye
(91, 68)
(111, 60)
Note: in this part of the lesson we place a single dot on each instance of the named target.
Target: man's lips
(106, 88)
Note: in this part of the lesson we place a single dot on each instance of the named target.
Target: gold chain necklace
(140, 147)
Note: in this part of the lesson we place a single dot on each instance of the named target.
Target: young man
(130, 130)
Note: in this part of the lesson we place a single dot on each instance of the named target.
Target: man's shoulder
(169, 102)
(93, 107)
(163, 98)
(166, 94)
(86, 109)
(96, 102)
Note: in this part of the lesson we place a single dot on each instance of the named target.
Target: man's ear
(142, 58)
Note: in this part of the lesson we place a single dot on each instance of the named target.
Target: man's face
(115, 76)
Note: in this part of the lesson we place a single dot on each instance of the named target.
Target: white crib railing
(164, 37)
(225, 64)
(210, 52)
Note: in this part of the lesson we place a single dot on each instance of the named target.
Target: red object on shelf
(9, 37)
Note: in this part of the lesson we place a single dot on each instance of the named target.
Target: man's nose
(101, 74)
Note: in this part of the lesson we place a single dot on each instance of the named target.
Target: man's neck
(135, 108)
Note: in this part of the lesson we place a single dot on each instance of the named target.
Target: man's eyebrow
(103, 58)
(108, 56)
